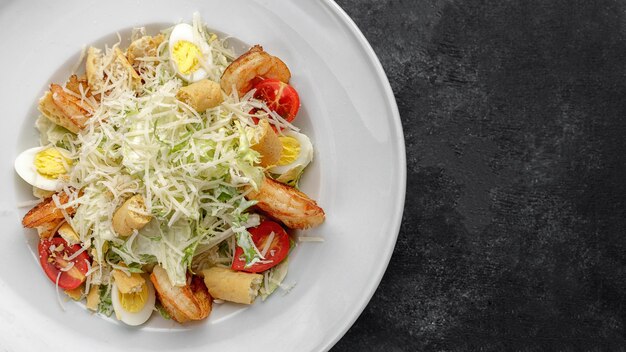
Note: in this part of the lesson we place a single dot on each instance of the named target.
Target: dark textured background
(514, 230)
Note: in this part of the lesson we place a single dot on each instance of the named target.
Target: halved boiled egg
(188, 53)
(43, 167)
(134, 308)
(297, 153)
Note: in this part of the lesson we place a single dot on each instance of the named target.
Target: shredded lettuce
(106, 305)
(159, 307)
(291, 177)
(273, 278)
(53, 134)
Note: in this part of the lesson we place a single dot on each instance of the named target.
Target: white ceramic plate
(358, 175)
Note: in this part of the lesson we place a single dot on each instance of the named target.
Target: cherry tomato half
(278, 249)
(279, 97)
(53, 256)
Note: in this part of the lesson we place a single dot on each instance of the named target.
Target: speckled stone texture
(514, 229)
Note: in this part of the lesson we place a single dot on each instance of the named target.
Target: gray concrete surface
(514, 229)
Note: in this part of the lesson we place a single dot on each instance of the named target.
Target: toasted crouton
(69, 235)
(93, 297)
(135, 80)
(130, 216)
(94, 69)
(268, 145)
(143, 47)
(232, 286)
(201, 95)
(77, 293)
(128, 283)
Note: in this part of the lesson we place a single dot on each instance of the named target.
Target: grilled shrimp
(190, 302)
(77, 84)
(77, 111)
(64, 109)
(294, 208)
(80, 85)
(46, 212)
(241, 73)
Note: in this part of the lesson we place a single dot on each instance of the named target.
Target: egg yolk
(290, 152)
(133, 302)
(186, 56)
(51, 163)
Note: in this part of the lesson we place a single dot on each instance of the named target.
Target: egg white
(186, 32)
(303, 159)
(25, 167)
(127, 317)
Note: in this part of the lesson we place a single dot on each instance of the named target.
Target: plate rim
(396, 122)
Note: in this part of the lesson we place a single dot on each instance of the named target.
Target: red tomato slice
(279, 97)
(53, 256)
(277, 251)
